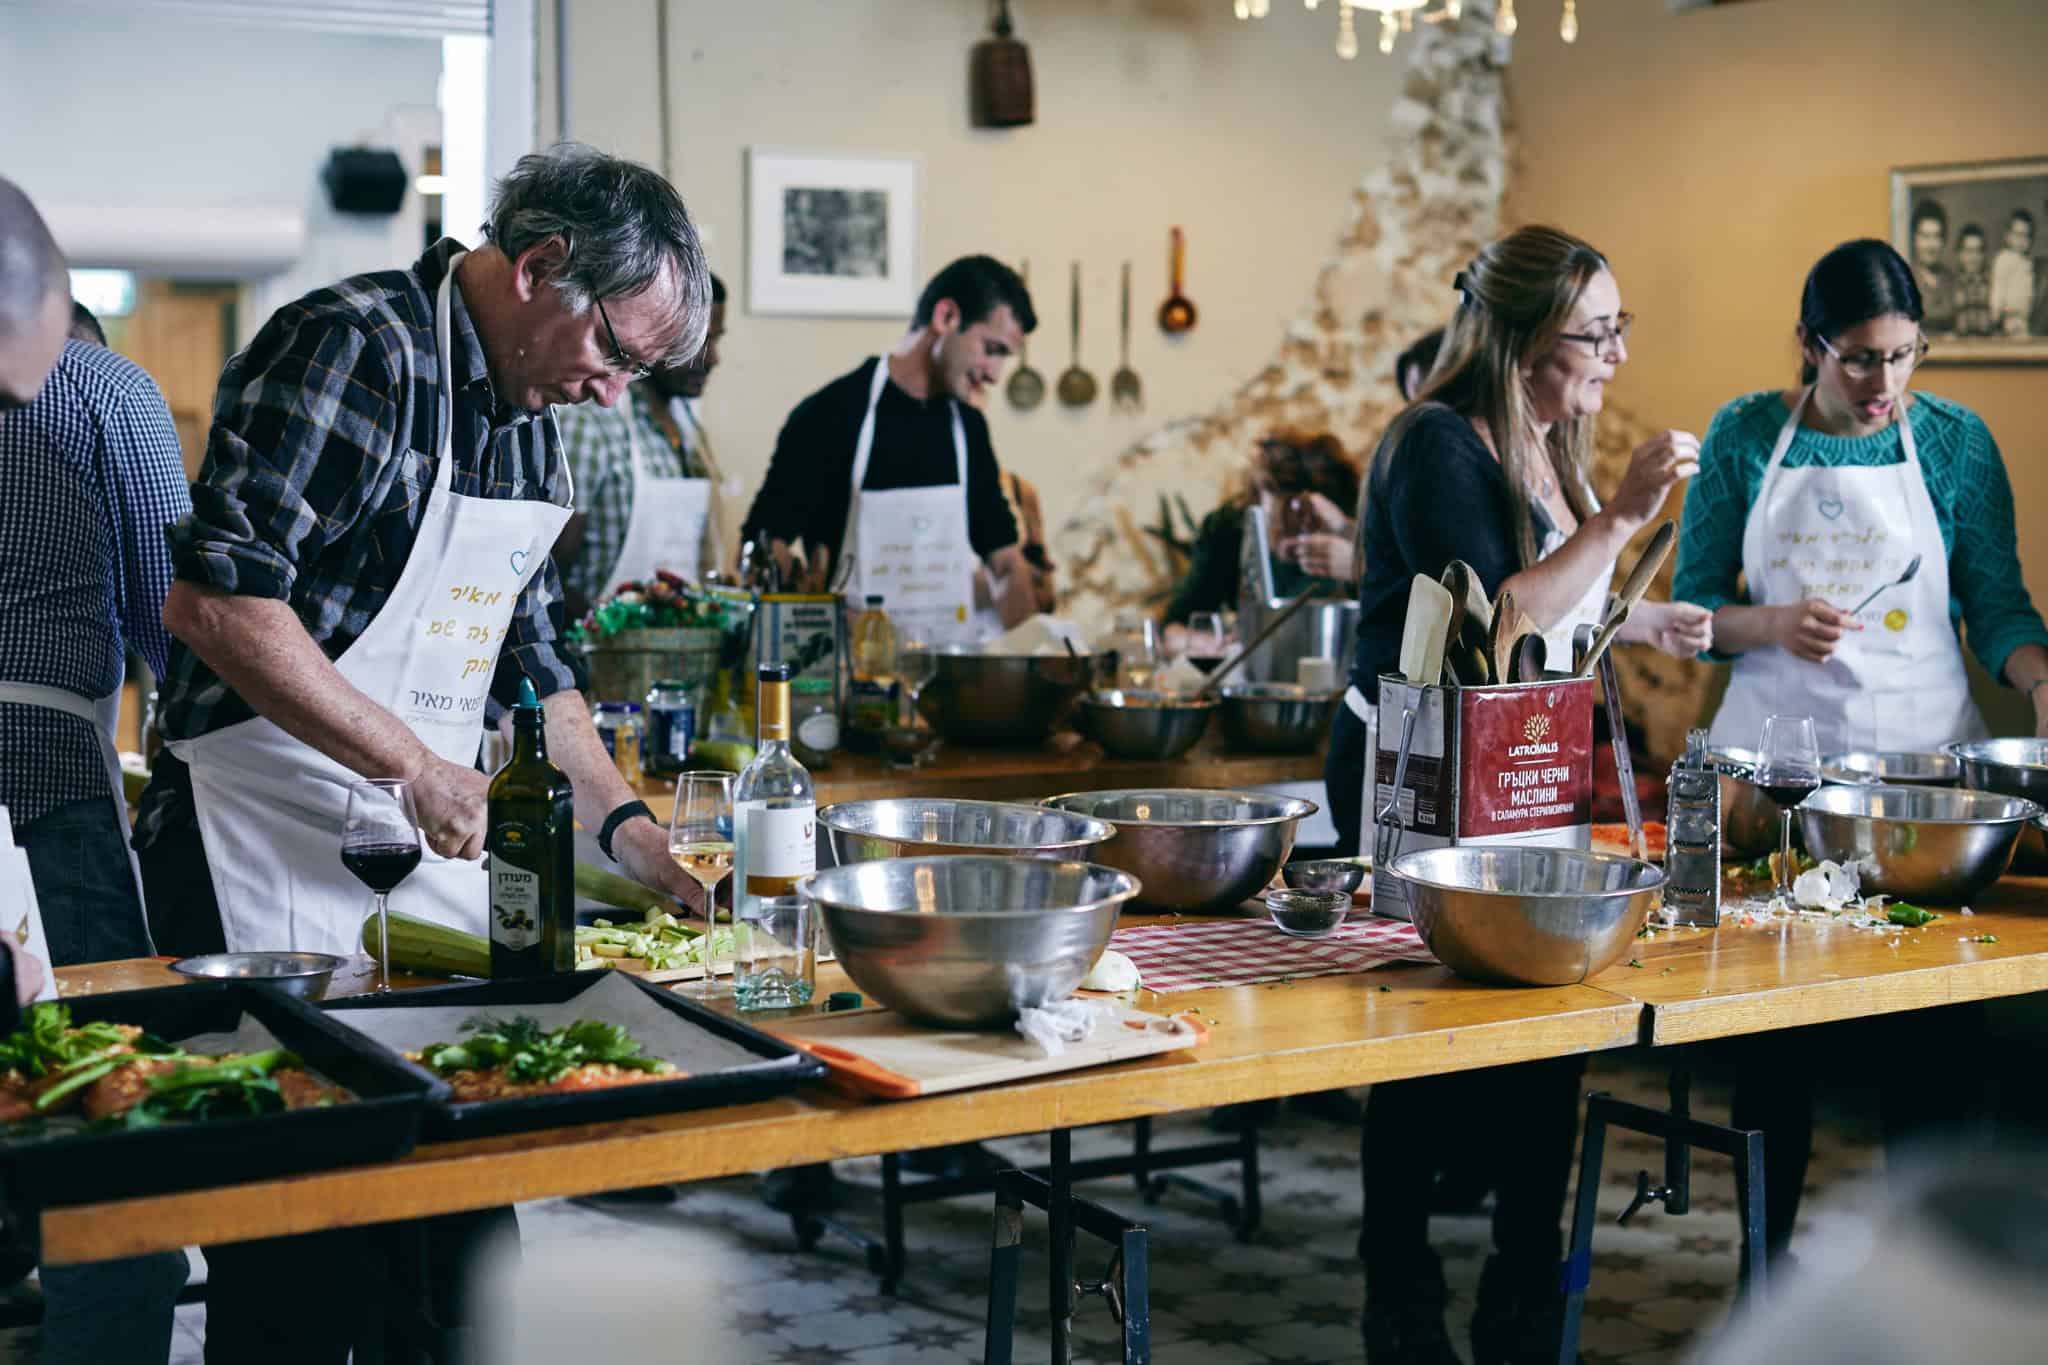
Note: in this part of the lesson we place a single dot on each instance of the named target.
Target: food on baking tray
(1614, 839)
(500, 1059)
(117, 1075)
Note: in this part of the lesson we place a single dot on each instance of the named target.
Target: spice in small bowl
(1307, 914)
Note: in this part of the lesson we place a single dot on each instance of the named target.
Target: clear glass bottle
(871, 702)
(1692, 837)
(814, 721)
(671, 725)
(774, 806)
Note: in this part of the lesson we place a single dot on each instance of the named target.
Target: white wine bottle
(774, 805)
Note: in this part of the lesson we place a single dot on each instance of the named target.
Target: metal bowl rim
(1274, 691)
(1301, 807)
(2028, 809)
(1973, 751)
(1127, 886)
(193, 966)
(1167, 702)
(1096, 830)
(1655, 880)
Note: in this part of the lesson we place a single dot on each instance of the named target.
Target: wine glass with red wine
(1205, 640)
(1788, 769)
(380, 843)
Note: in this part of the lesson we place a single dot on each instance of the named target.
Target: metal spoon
(1124, 388)
(1912, 568)
(1026, 388)
(1077, 386)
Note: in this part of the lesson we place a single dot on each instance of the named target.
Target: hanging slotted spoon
(1077, 386)
(1124, 388)
(1026, 388)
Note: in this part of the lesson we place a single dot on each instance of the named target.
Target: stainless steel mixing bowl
(1002, 698)
(1152, 725)
(1526, 916)
(1324, 874)
(933, 826)
(1194, 850)
(1913, 768)
(1276, 718)
(967, 942)
(305, 975)
(1749, 821)
(2016, 767)
(1941, 844)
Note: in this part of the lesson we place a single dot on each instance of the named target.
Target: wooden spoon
(1632, 589)
(1469, 625)
(1077, 386)
(1026, 388)
(1531, 657)
(1177, 313)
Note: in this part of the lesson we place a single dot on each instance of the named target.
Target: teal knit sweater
(1965, 478)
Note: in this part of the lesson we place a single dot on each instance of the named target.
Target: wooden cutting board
(880, 1054)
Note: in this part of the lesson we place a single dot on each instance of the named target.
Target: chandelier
(1398, 16)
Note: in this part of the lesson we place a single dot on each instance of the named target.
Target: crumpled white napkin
(1055, 1024)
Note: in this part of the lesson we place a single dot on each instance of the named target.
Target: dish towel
(1194, 954)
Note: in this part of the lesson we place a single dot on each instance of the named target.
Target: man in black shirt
(893, 464)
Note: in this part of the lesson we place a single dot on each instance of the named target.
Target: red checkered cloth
(1193, 954)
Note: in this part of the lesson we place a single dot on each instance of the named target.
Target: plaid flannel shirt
(600, 452)
(318, 469)
(93, 478)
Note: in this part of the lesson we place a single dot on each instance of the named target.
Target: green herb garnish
(47, 1043)
(236, 1087)
(1987, 938)
(532, 1055)
(1910, 916)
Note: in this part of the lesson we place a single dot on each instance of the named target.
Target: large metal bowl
(1912, 768)
(1940, 844)
(1154, 725)
(1276, 718)
(305, 975)
(2016, 767)
(1749, 820)
(967, 942)
(1527, 916)
(1002, 698)
(1194, 850)
(933, 826)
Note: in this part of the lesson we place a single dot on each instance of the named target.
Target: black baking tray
(381, 1123)
(759, 1067)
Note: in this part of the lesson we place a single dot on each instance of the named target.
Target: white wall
(154, 109)
(1150, 113)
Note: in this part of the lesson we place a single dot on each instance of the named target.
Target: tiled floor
(1291, 1296)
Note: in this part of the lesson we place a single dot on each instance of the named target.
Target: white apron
(911, 544)
(270, 807)
(1835, 534)
(666, 529)
(102, 715)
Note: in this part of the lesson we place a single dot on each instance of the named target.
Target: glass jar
(671, 725)
(814, 721)
(619, 726)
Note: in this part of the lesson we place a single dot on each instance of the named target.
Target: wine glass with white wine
(700, 841)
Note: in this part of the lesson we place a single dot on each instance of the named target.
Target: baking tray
(728, 1062)
(382, 1122)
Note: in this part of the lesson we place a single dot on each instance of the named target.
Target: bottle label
(782, 847)
(515, 905)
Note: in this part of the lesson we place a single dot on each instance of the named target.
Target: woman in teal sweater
(1820, 494)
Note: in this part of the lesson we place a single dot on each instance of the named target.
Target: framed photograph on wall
(1977, 237)
(831, 235)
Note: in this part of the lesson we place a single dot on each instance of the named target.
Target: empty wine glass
(1788, 769)
(380, 844)
(915, 667)
(700, 841)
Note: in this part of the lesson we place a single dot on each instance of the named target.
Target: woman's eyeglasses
(619, 362)
(1867, 364)
(1604, 341)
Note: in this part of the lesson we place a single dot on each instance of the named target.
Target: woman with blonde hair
(1491, 464)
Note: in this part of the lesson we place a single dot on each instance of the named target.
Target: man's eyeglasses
(619, 362)
(1867, 364)
(1603, 342)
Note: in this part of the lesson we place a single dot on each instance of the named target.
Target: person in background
(1854, 448)
(647, 487)
(1930, 270)
(94, 479)
(1413, 365)
(86, 327)
(2012, 276)
(899, 443)
(1492, 466)
(1974, 317)
(1303, 480)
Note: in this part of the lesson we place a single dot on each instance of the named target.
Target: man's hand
(641, 847)
(1810, 630)
(450, 801)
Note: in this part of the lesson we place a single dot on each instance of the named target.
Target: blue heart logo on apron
(519, 562)
(1831, 508)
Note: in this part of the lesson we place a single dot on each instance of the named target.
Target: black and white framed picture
(831, 235)
(1975, 236)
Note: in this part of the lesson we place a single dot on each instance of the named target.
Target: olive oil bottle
(530, 839)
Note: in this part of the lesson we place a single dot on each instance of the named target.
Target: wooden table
(1062, 764)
